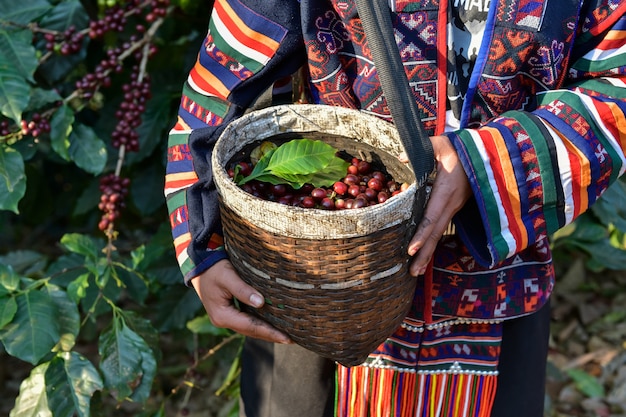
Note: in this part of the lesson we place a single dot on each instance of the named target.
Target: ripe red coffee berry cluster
(362, 186)
(114, 190)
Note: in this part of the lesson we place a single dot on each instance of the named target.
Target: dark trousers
(289, 381)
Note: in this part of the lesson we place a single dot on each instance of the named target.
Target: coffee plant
(92, 306)
(94, 318)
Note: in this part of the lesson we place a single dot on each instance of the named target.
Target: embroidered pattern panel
(343, 73)
(521, 61)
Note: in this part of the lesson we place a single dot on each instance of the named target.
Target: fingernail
(256, 300)
(421, 270)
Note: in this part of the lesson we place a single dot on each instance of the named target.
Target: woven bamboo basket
(336, 282)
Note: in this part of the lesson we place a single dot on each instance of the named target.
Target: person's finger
(239, 289)
(218, 287)
(430, 230)
(249, 325)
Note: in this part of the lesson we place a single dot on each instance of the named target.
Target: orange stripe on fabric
(181, 243)
(580, 181)
(442, 66)
(506, 183)
(340, 406)
(618, 127)
(581, 175)
(182, 176)
(208, 82)
(180, 125)
(243, 33)
(614, 39)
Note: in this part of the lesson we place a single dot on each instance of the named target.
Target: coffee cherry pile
(362, 186)
(114, 190)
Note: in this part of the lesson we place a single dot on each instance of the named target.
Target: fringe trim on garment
(365, 391)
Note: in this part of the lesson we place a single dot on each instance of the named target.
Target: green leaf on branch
(22, 12)
(77, 289)
(9, 280)
(35, 328)
(299, 162)
(610, 209)
(16, 48)
(32, 400)
(86, 150)
(81, 244)
(25, 262)
(127, 362)
(203, 325)
(176, 308)
(71, 380)
(8, 308)
(12, 179)
(17, 63)
(60, 130)
(69, 318)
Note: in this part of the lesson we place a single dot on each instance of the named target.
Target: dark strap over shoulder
(376, 19)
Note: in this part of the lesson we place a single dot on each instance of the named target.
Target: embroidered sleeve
(534, 172)
(247, 48)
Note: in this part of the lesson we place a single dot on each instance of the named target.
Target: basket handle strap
(376, 20)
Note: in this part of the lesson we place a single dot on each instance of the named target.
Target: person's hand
(217, 286)
(449, 193)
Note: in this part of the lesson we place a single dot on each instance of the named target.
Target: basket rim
(287, 220)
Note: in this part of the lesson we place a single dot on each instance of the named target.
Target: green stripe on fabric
(176, 200)
(225, 47)
(178, 138)
(600, 65)
(213, 104)
(603, 87)
(491, 205)
(574, 101)
(546, 168)
(187, 266)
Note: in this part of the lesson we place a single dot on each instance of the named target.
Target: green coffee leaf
(203, 325)
(9, 280)
(12, 178)
(60, 130)
(8, 308)
(34, 330)
(301, 156)
(32, 400)
(81, 244)
(87, 150)
(71, 380)
(299, 162)
(127, 362)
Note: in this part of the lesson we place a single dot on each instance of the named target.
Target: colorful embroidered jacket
(542, 135)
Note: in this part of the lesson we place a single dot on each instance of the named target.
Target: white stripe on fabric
(604, 54)
(588, 102)
(197, 89)
(235, 43)
(505, 232)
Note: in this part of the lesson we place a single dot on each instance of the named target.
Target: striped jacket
(542, 135)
